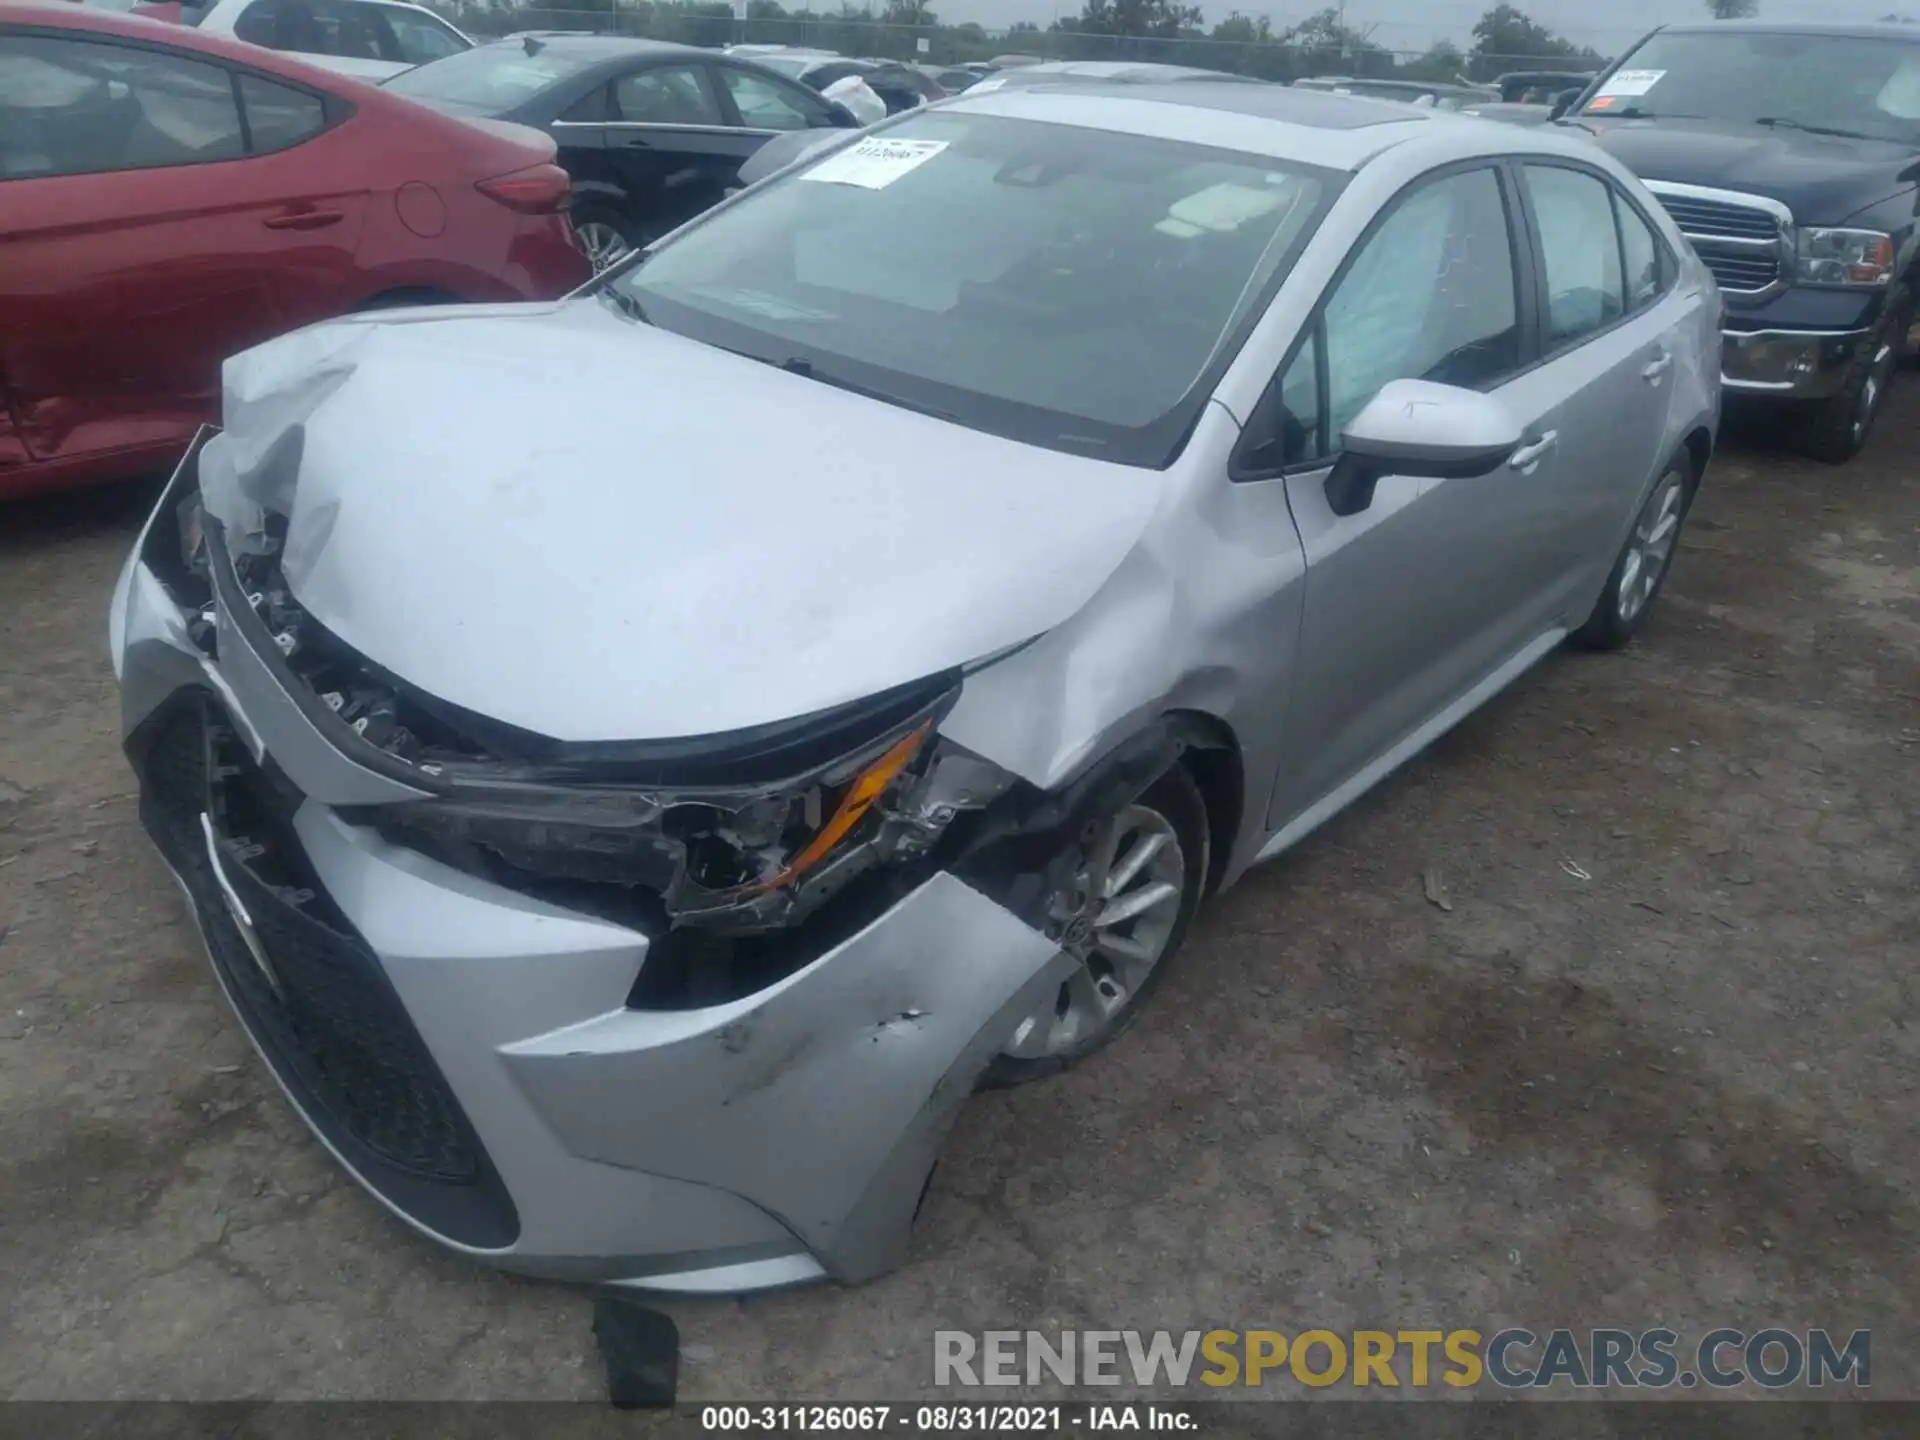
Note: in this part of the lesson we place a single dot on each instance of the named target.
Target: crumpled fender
(823, 1099)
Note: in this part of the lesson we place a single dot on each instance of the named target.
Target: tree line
(1505, 38)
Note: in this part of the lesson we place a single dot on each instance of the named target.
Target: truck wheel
(1837, 427)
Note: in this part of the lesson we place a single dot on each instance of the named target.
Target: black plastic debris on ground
(642, 1351)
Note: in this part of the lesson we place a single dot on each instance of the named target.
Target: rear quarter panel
(429, 227)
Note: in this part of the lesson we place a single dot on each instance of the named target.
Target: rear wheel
(1146, 868)
(608, 235)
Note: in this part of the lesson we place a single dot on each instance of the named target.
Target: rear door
(669, 143)
(147, 231)
(1604, 381)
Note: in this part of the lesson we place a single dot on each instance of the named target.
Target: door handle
(304, 220)
(1657, 368)
(1528, 455)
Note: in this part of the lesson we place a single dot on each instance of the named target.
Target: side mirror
(1414, 427)
(1564, 103)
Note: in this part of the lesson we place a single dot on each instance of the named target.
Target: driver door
(1422, 595)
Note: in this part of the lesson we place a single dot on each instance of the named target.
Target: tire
(1628, 597)
(607, 234)
(1836, 429)
(1047, 1043)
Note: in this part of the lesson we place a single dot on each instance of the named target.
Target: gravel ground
(1654, 1065)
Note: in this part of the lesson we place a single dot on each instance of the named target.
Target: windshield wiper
(1783, 123)
(629, 306)
(796, 365)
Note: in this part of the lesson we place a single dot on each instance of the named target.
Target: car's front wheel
(1641, 567)
(1146, 866)
(1836, 429)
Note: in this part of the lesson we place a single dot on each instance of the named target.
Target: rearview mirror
(1414, 427)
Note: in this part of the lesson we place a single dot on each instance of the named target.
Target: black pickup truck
(1790, 157)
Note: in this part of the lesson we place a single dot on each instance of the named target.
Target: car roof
(1312, 127)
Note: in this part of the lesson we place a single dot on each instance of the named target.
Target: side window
(1429, 296)
(292, 25)
(76, 107)
(1640, 251)
(1299, 412)
(310, 27)
(1285, 429)
(278, 116)
(415, 38)
(768, 104)
(1581, 250)
(591, 108)
(359, 32)
(666, 95)
(259, 24)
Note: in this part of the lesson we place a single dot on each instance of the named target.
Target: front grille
(1707, 218)
(318, 1001)
(1746, 270)
(1742, 245)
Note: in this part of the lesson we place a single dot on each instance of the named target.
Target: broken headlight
(737, 858)
(742, 832)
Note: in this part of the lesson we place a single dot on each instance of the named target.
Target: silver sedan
(640, 762)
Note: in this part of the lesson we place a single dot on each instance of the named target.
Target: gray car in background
(640, 762)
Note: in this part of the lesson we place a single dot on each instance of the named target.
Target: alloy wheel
(605, 246)
(1650, 549)
(1123, 915)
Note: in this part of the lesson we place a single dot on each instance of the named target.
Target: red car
(168, 199)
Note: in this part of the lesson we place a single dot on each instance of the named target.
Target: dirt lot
(1655, 1065)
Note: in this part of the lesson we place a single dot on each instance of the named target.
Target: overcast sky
(1415, 24)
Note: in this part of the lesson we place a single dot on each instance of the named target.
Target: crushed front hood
(596, 530)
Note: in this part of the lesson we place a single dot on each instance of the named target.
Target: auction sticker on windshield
(1630, 82)
(875, 162)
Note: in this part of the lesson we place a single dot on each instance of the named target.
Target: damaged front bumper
(488, 1059)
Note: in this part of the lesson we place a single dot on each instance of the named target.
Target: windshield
(1817, 82)
(490, 79)
(1076, 289)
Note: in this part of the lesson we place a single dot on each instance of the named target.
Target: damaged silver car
(639, 763)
